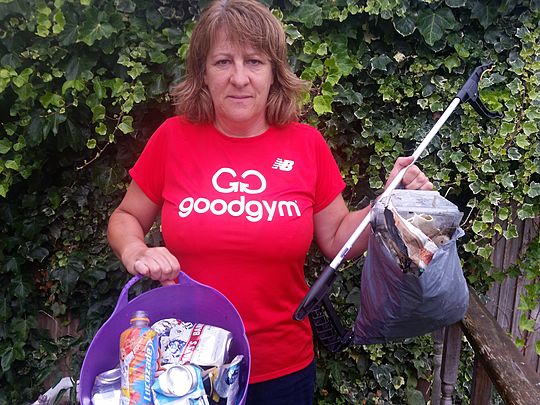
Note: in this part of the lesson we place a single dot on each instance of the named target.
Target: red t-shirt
(238, 215)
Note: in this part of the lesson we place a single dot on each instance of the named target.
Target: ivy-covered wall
(83, 83)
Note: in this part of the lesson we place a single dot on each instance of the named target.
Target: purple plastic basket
(188, 301)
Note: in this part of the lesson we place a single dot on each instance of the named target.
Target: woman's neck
(241, 130)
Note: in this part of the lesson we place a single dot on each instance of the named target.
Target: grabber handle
(316, 293)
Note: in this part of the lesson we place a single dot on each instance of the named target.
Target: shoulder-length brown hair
(245, 22)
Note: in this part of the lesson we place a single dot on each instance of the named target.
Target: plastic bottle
(138, 360)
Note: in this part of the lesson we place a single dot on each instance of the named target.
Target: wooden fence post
(481, 384)
(438, 340)
(450, 362)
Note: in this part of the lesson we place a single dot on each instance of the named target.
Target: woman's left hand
(414, 178)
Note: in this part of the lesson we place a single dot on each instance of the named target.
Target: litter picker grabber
(316, 301)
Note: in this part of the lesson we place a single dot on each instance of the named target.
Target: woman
(242, 188)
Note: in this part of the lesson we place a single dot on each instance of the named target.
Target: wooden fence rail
(497, 361)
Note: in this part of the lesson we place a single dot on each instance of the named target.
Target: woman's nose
(239, 75)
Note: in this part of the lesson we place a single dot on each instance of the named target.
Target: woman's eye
(255, 62)
(222, 62)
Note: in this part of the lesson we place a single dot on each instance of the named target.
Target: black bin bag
(396, 304)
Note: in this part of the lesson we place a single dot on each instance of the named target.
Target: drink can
(178, 380)
(192, 343)
(180, 385)
(106, 388)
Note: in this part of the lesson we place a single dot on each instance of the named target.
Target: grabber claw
(469, 92)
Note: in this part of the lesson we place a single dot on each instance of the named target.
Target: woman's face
(239, 80)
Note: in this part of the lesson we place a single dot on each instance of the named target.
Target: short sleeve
(329, 182)
(149, 169)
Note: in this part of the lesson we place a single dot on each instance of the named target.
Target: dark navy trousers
(293, 389)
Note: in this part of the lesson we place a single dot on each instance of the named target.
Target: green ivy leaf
(91, 143)
(503, 213)
(309, 14)
(452, 62)
(23, 77)
(50, 99)
(5, 145)
(19, 288)
(516, 62)
(522, 141)
(526, 324)
(507, 128)
(534, 190)
(455, 3)
(433, 24)
(380, 62)
(485, 251)
(79, 65)
(5, 310)
(515, 86)
(513, 153)
(59, 22)
(94, 28)
(125, 6)
(157, 57)
(526, 211)
(322, 104)
(101, 129)
(292, 33)
(529, 127)
(487, 216)
(476, 187)
(511, 232)
(73, 84)
(7, 359)
(404, 26)
(414, 397)
(485, 12)
(477, 227)
(12, 164)
(68, 275)
(507, 180)
(158, 86)
(126, 126)
(487, 167)
(533, 113)
(98, 113)
(19, 329)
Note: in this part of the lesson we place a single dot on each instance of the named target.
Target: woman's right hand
(127, 226)
(157, 263)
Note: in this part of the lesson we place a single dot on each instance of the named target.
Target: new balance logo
(283, 164)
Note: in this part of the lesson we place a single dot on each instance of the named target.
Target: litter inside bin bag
(412, 224)
(404, 296)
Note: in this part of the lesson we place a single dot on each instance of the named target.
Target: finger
(141, 268)
(403, 161)
(417, 180)
(413, 173)
(400, 164)
(170, 264)
(164, 263)
(167, 282)
(155, 268)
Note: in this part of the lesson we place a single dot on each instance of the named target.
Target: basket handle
(123, 299)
